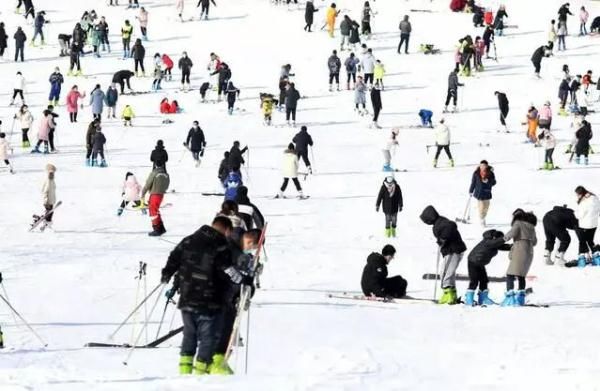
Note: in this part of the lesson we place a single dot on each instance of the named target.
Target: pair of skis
(38, 219)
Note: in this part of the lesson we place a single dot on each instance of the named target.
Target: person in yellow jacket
(379, 72)
(126, 32)
(332, 14)
(127, 115)
(266, 104)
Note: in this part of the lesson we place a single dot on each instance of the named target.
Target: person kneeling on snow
(479, 257)
(375, 281)
(451, 247)
(426, 118)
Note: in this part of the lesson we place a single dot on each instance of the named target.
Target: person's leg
(189, 343)
(284, 185)
(454, 97)
(438, 151)
(483, 279)
(294, 114)
(449, 272)
(447, 150)
(564, 240)
(51, 139)
(522, 282)
(387, 157)
(376, 114)
(510, 282)
(589, 238)
(448, 96)
(484, 206)
(297, 184)
(388, 221)
(395, 286)
(474, 276)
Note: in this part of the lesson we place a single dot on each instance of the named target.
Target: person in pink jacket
(73, 102)
(583, 18)
(46, 123)
(545, 116)
(131, 193)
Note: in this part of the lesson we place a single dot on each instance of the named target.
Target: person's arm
(310, 140)
(173, 263)
(473, 183)
(189, 137)
(492, 179)
(148, 184)
(400, 200)
(379, 198)
(514, 230)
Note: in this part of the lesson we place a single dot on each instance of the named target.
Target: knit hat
(50, 167)
(388, 249)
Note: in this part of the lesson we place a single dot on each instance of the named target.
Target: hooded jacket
(302, 140)
(522, 233)
(195, 139)
(247, 210)
(587, 212)
(374, 274)
(445, 232)
(481, 188)
(484, 251)
(392, 203)
(560, 218)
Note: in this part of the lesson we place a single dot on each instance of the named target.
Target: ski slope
(77, 283)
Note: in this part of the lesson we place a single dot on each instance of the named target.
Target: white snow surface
(76, 284)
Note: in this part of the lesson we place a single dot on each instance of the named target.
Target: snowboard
(463, 277)
(37, 220)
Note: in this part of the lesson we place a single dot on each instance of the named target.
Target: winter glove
(376, 209)
(164, 279)
(260, 267)
(170, 293)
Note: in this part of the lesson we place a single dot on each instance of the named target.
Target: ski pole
(139, 336)
(312, 158)
(145, 293)
(467, 209)
(247, 342)
(437, 273)
(7, 298)
(24, 321)
(110, 337)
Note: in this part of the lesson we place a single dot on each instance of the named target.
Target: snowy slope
(76, 284)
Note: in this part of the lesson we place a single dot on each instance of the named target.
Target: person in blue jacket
(231, 184)
(426, 118)
(56, 80)
(482, 181)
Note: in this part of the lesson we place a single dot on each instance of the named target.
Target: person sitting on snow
(375, 281)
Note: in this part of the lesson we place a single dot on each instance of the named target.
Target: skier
(232, 183)
(345, 31)
(102, 27)
(267, 102)
(390, 196)
(96, 38)
(46, 124)
(159, 156)
(451, 247)
(79, 38)
(390, 143)
(185, 65)
(405, 29)
(453, 85)
(158, 73)
(112, 96)
(26, 119)
(334, 64)
(503, 106)
(74, 61)
(157, 185)
(499, 20)
(56, 80)
(3, 40)
(482, 181)
(18, 88)
(351, 64)
(309, 15)
(292, 96)
(377, 106)
(587, 211)
(122, 77)
(20, 39)
(205, 7)
(290, 171)
(538, 55)
(131, 193)
(354, 38)
(563, 94)
(366, 20)
(223, 168)
(442, 141)
(583, 19)
(332, 14)
(73, 102)
(367, 65)
(224, 74)
(522, 233)
(232, 93)
(97, 98)
(479, 50)
(248, 211)
(375, 282)
(556, 223)
(302, 140)
(236, 159)
(196, 142)
(4, 147)
(582, 148)
(479, 257)
(98, 148)
(29, 10)
(143, 19)
(89, 141)
(549, 142)
(563, 11)
(561, 32)
(138, 53)
(39, 27)
(488, 39)
(126, 32)
(49, 196)
(168, 63)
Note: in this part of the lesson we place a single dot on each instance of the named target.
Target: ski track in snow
(76, 284)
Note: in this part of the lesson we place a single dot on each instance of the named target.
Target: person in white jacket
(367, 64)
(389, 143)
(179, 5)
(442, 141)
(549, 142)
(26, 119)
(49, 196)
(131, 193)
(290, 171)
(4, 151)
(587, 211)
(18, 88)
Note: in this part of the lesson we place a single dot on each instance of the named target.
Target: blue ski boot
(509, 299)
(94, 163)
(88, 162)
(103, 163)
(520, 298)
(35, 150)
(581, 261)
(387, 167)
(119, 211)
(596, 258)
(483, 298)
(469, 298)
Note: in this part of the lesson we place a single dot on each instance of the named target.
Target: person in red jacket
(168, 66)
(174, 108)
(165, 106)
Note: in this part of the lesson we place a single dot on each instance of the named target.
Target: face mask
(249, 252)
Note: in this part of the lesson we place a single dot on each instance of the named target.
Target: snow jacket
(157, 182)
(195, 139)
(143, 18)
(3, 37)
(334, 64)
(236, 158)
(360, 93)
(232, 183)
(25, 118)
(351, 63)
(302, 140)
(131, 189)
(481, 184)
(587, 211)
(20, 38)
(502, 101)
(453, 83)
(247, 210)
(367, 63)
(345, 26)
(374, 275)
(354, 34)
(583, 16)
(584, 135)
(73, 101)
(49, 192)
(442, 134)
(484, 251)
(19, 83)
(112, 96)
(308, 12)
(379, 71)
(290, 164)
(89, 135)
(522, 233)
(545, 116)
(98, 141)
(185, 64)
(292, 96)
(445, 232)
(559, 219)
(405, 27)
(121, 76)
(46, 124)
(127, 112)
(548, 139)
(138, 51)
(159, 156)
(390, 196)
(97, 101)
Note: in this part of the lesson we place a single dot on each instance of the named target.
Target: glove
(376, 209)
(400, 209)
(164, 279)
(260, 267)
(170, 293)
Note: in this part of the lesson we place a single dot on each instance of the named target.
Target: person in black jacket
(303, 140)
(377, 106)
(139, 52)
(203, 263)
(224, 168)
(29, 10)
(308, 15)
(451, 247)
(292, 96)
(375, 281)
(538, 55)
(499, 20)
(74, 61)
(488, 38)
(205, 7)
(196, 142)
(390, 196)
(556, 223)
(3, 39)
(563, 11)
(224, 75)
(185, 64)
(582, 148)
(479, 257)
(122, 77)
(20, 39)
(503, 106)
(248, 211)
(159, 156)
(236, 160)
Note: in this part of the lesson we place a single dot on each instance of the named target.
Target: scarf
(391, 188)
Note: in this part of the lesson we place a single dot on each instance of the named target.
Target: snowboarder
(98, 143)
(587, 211)
(290, 171)
(377, 105)
(556, 223)
(196, 142)
(405, 29)
(73, 102)
(582, 148)
(453, 85)
(390, 196)
(503, 106)
(482, 181)
(159, 156)
(20, 39)
(127, 115)
(522, 233)
(351, 64)
(48, 196)
(131, 193)
(451, 247)
(442, 141)
(309, 15)
(97, 98)
(292, 96)
(390, 143)
(185, 65)
(112, 96)
(26, 119)
(157, 185)
(375, 282)
(121, 77)
(4, 147)
(302, 140)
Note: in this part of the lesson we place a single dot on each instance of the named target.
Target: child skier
(131, 193)
(26, 119)
(391, 197)
(127, 115)
(451, 247)
(442, 141)
(478, 258)
(46, 124)
(360, 96)
(549, 141)
(389, 143)
(232, 93)
(48, 196)
(168, 64)
(379, 72)
(4, 147)
(232, 184)
(267, 102)
(98, 148)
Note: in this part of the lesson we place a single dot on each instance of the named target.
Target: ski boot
(520, 298)
(387, 167)
(449, 296)
(484, 299)
(596, 258)
(393, 232)
(469, 301)
(445, 296)
(434, 163)
(219, 366)
(88, 162)
(581, 260)
(79, 73)
(36, 149)
(376, 125)
(46, 151)
(55, 104)
(559, 259)
(586, 161)
(451, 162)
(120, 211)
(186, 364)
(94, 163)
(25, 144)
(445, 109)
(578, 160)
(230, 111)
(103, 163)
(547, 258)
(509, 299)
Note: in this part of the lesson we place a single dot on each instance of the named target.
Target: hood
(492, 234)
(242, 195)
(429, 215)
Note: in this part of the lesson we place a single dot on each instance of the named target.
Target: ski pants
(483, 206)
(122, 84)
(49, 215)
(224, 327)
(582, 29)
(296, 183)
(19, 53)
(38, 31)
(477, 277)
(376, 111)
(552, 234)
(452, 93)
(73, 116)
(304, 156)
(351, 77)
(404, 38)
(154, 209)
(390, 220)
(448, 277)
(548, 156)
(19, 93)
(198, 335)
(54, 93)
(140, 64)
(51, 139)
(290, 111)
(503, 114)
(96, 152)
(586, 239)
(387, 157)
(75, 62)
(334, 76)
(25, 137)
(88, 152)
(537, 65)
(369, 78)
(510, 282)
(446, 148)
(185, 76)
(126, 47)
(204, 10)
(395, 286)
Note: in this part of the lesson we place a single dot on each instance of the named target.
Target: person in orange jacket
(332, 14)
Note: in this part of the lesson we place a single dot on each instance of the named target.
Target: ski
(164, 338)
(214, 194)
(463, 277)
(146, 207)
(405, 299)
(39, 219)
(110, 345)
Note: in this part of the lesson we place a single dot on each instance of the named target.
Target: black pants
(97, 117)
(334, 76)
(30, 11)
(122, 84)
(376, 111)
(2, 51)
(586, 239)
(230, 103)
(75, 62)
(139, 63)
(503, 114)
(351, 77)
(304, 156)
(308, 27)
(290, 111)
(125, 203)
(24, 136)
(49, 215)
(19, 53)
(548, 156)
(477, 277)
(73, 117)
(446, 148)
(537, 65)
(451, 94)
(510, 282)
(144, 31)
(185, 76)
(51, 139)
(126, 44)
(552, 234)
(368, 78)
(395, 286)
(88, 152)
(404, 38)
(19, 93)
(96, 152)
(287, 180)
